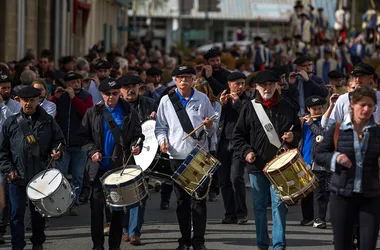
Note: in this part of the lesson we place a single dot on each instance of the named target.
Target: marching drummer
(26, 141)
(177, 115)
(108, 132)
(259, 129)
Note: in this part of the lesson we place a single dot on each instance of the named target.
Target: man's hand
(71, 92)
(224, 97)
(292, 77)
(250, 158)
(343, 160)
(208, 70)
(164, 147)
(333, 99)
(151, 87)
(288, 137)
(56, 154)
(304, 75)
(59, 91)
(97, 157)
(12, 175)
(136, 150)
(153, 115)
(207, 123)
(234, 97)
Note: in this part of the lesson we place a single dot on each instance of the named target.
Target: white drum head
(149, 150)
(39, 188)
(129, 174)
(282, 160)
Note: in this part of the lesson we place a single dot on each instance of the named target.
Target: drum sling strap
(268, 127)
(183, 117)
(30, 138)
(115, 131)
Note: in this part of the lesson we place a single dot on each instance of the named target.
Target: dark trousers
(231, 181)
(86, 186)
(97, 203)
(4, 214)
(321, 195)
(17, 198)
(189, 210)
(166, 192)
(214, 187)
(347, 212)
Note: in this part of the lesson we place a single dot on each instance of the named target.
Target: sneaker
(305, 222)
(107, 229)
(125, 237)
(318, 223)
(135, 241)
(212, 197)
(73, 211)
(229, 220)
(242, 221)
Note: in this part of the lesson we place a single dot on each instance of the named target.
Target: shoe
(212, 197)
(2, 240)
(47, 224)
(107, 229)
(73, 211)
(200, 247)
(229, 220)
(115, 248)
(98, 248)
(305, 222)
(183, 247)
(37, 248)
(318, 223)
(135, 241)
(242, 221)
(125, 237)
(164, 205)
(83, 199)
(29, 226)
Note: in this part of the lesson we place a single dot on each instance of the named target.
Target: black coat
(249, 135)
(218, 81)
(91, 134)
(342, 179)
(15, 153)
(145, 107)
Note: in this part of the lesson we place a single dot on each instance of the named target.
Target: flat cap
(212, 53)
(72, 76)
(4, 77)
(314, 100)
(281, 70)
(109, 83)
(28, 92)
(103, 65)
(17, 88)
(128, 80)
(153, 72)
(183, 70)
(267, 76)
(303, 14)
(334, 74)
(301, 60)
(363, 68)
(257, 38)
(67, 59)
(320, 9)
(235, 76)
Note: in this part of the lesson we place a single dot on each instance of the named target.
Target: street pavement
(161, 231)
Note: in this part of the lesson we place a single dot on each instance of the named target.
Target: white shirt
(11, 108)
(49, 107)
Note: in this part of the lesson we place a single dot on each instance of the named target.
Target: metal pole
(64, 27)
(56, 33)
(207, 22)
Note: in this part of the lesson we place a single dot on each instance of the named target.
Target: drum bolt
(195, 173)
(59, 210)
(51, 199)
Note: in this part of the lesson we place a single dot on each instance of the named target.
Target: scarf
(269, 103)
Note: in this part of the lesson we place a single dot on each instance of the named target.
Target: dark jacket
(145, 107)
(291, 93)
(91, 134)
(218, 80)
(70, 113)
(342, 179)
(15, 153)
(249, 135)
(314, 86)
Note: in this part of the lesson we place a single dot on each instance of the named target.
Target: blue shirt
(307, 143)
(109, 141)
(183, 99)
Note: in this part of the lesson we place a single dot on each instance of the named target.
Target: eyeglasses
(184, 77)
(240, 83)
(111, 93)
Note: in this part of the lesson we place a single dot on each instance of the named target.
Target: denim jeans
(133, 220)
(260, 187)
(5, 213)
(17, 198)
(75, 159)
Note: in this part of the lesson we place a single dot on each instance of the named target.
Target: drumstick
(197, 128)
(51, 160)
(136, 144)
(283, 142)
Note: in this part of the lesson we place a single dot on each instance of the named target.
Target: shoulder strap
(30, 138)
(180, 110)
(336, 135)
(112, 125)
(268, 127)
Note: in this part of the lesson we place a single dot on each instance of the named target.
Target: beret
(257, 38)
(129, 79)
(153, 72)
(267, 76)
(72, 76)
(28, 92)
(363, 68)
(301, 60)
(334, 74)
(4, 77)
(103, 65)
(212, 53)
(183, 70)
(314, 100)
(67, 59)
(281, 70)
(109, 83)
(235, 76)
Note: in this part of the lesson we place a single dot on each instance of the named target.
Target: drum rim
(289, 163)
(138, 177)
(49, 194)
(121, 207)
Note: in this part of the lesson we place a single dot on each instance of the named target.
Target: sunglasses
(111, 93)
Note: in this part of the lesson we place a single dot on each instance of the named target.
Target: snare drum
(51, 193)
(290, 176)
(196, 171)
(126, 190)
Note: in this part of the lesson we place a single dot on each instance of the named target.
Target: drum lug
(51, 200)
(59, 210)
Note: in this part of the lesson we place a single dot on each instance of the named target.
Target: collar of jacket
(276, 94)
(42, 115)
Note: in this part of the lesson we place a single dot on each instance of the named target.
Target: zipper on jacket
(68, 125)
